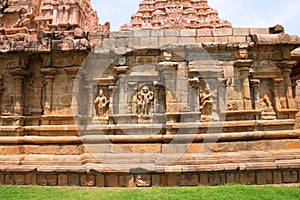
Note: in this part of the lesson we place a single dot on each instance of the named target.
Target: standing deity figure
(144, 100)
(206, 103)
(101, 103)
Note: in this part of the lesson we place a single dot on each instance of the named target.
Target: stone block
(111, 181)
(247, 178)
(62, 180)
(157, 33)
(188, 33)
(19, 179)
(186, 40)
(74, 179)
(241, 31)
(1, 178)
(284, 38)
(264, 177)
(141, 33)
(9, 150)
(123, 181)
(228, 71)
(237, 39)
(289, 176)
(163, 180)
(91, 180)
(264, 39)
(121, 34)
(254, 31)
(149, 42)
(9, 179)
(204, 39)
(204, 179)
(232, 178)
(30, 178)
(204, 32)
(222, 32)
(100, 182)
(167, 40)
(172, 180)
(223, 39)
(214, 179)
(172, 33)
(188, 180)
(47, 180)
(134, 42)
(195, 148)
(277, 177)
(109, 43)
(155, 180)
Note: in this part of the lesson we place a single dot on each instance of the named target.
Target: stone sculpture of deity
(144, 100)
(101, 104)
(206, 103)
(268, 112)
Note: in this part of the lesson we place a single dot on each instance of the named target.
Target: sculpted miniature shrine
(176, 98)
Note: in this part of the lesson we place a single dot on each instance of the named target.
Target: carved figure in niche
(101, 103)
(233, 105)
(144, 100)
(24, 19)
(206, 103)
(268, 112)
(140, 182)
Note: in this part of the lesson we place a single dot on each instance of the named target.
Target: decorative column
(168, 70)
(255, 85)
(19, 76)
(286, 68)
(1, 92)
(222, 95)
(73, 73)
(243, 67)
(121, 71)
(277, 84)
(112, 90)
(55, 15)
(49, 77)
(91, 106)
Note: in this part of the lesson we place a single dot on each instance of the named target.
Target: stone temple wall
(52, 133)
(203, 106)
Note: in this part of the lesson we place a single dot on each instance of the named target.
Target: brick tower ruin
(178, 97)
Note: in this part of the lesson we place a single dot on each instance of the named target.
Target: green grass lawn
(218, 193)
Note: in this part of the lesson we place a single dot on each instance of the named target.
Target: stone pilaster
(168, 71)
(277, 84)
(286, 68)
(19, 77)
(243, 68)
(122, 103)
(73, 73)
(255, 85)
(49, 74)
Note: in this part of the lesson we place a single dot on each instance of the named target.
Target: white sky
(241, 13)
